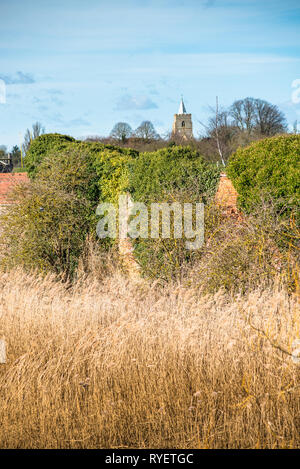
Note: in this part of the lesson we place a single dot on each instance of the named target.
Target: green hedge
(156, 175)
(46, 230)
(269, 168)
(174, 174)
(112, 166)
(96, 170)
(41, 146)
(82, 174)
(54, 216)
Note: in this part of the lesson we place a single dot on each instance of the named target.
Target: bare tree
(243, 114)
(217, 132)
(220, 131)
(37, 130)
(295, 127)
(257, 115)
(269, 119)
(146, 131)
(121, 131)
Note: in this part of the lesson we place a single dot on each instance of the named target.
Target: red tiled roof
(7, 182)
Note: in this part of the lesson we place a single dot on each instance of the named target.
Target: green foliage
(16, 156)
(112, 168)
(156, 175)
(164, 258)
(270, 169)
(71, 170)
(41, 146)
(19, 170)
(173, 174)
(96, 170)
(48, 226)
(46, 229)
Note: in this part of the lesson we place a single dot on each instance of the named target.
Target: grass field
(115, 364)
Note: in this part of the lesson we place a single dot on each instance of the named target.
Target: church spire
(182, 125)
(182, 109)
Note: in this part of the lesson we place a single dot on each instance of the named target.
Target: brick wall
(226, 195)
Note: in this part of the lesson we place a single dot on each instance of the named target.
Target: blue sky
(79, 67)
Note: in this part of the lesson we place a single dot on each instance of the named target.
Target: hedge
(41, 146)
(156, 175)
(270, 169)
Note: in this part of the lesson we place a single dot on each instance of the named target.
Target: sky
(79, 67)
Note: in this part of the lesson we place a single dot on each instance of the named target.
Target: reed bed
(119, 364)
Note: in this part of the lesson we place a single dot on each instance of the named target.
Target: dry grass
(109, 364)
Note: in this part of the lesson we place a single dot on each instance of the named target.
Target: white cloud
(127, 102)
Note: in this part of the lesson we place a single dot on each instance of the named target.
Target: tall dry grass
(112, 364)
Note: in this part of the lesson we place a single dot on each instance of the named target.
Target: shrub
(112, 168)
(268, 168)
(41, 146)
(45, 230)
(239, 256)
(93, 169)
(155, 175)
(174, 174)
(165, 258)
(71, 170)
(54, 215)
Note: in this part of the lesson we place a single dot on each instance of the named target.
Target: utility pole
(21, 150)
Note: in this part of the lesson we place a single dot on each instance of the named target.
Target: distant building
(182, 125)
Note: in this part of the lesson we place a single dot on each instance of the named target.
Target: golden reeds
(113, 364)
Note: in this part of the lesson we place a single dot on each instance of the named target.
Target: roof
(7, 182)
(182, 109)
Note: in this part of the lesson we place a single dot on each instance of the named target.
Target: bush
(155, 175)
(237, 256)
(112, 168)
(174, 174)
(46, 229)
(94, 169)
(240, 255)
(269, 169)
(71, 170)
(41, 146)
(165, 258)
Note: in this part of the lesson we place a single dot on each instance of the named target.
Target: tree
(269, 119)
(3, 151)
(243, 113)
(16, 155)
(147, 131)
(37, 130)
(295, 127)
(46, 229)
(257, 115)
(121, 131)
(220, 131)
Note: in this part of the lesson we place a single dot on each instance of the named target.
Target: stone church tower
(182, 125)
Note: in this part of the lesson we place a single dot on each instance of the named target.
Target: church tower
(182, 125)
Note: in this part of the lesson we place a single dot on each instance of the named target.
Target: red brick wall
(226, 195)
(7, 182)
